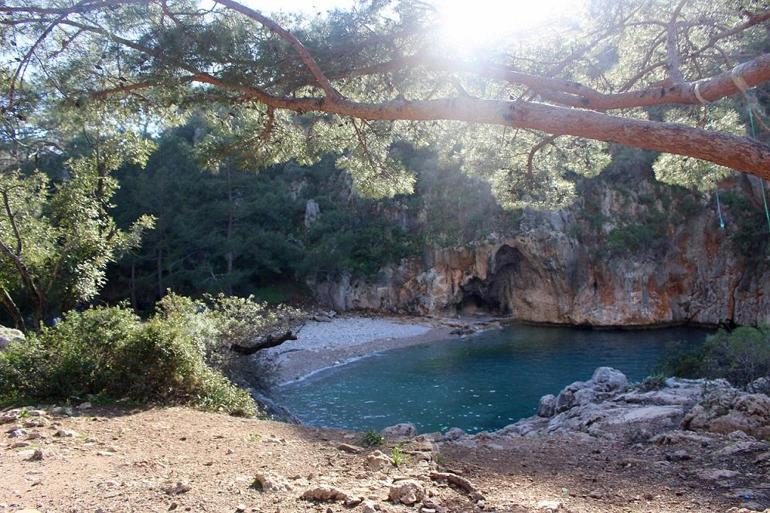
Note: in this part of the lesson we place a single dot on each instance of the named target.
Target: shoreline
(353, 336)
(325, 345)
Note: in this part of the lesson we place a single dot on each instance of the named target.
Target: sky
(308, 6)
(465, 24)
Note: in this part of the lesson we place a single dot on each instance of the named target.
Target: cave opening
(495, 294)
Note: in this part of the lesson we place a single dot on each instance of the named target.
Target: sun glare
(471, 24)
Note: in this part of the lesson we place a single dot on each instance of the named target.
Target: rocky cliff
(626, 254)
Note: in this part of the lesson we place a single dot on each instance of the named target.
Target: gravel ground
(350, 331)
(157, 460)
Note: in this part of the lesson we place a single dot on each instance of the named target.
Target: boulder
(453, 434)
(400, 431)
(547, 406)
(726, 409)
(607, 379)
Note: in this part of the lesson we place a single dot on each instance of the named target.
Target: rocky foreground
(597, 446)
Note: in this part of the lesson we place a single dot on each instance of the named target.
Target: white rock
(377, 461)
(270, 483)
(408, 491)
(548, 505)
(369, 507)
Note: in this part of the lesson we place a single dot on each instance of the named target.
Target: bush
(218, 322)
(112, 354)
(372, 438)
(653, 382)
(740, 356)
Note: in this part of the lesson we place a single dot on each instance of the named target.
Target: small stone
(408, 491)
(548, 505)
(240, 508)
(369, 507)
(177, 488)
(36, 422)
(37, 455)
(84, 406)
(351, 449)
(717, 474)
(18, 433)
(65, 433)
(377, 461)
(269, 483)
(595, 494)
(680, 455)
(19, 445)
(325, 494)
(352, 502)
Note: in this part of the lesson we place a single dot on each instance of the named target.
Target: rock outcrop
(606, 406)
(548, 271)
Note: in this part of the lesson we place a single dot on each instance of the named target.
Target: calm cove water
(479, 383)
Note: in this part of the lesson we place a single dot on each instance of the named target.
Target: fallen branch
(266, 343)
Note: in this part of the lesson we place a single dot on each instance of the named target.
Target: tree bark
(266, 343)
(12, 309)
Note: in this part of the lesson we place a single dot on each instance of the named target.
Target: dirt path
(176, 459)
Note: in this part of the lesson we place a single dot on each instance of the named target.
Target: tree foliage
(355, 83)
(56, 239)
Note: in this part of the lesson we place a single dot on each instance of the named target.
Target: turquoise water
(478, 383)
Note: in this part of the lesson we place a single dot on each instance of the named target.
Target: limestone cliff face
(549, 272)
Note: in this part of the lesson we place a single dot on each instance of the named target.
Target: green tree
(526, 112)
(56, 239)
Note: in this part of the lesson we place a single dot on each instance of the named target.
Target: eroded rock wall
(548, 272)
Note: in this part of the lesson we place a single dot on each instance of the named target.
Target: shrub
(218, 322)
(372, 439)
(112, 354)
(398, 456)
(653, 382)
(740, 356)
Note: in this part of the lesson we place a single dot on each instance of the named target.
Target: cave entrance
(473, 304)
(510, 274)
